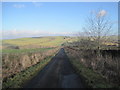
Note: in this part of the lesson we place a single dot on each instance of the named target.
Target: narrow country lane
(57, 74)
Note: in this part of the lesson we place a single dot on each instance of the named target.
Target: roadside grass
(18, 80)
(91, 78)
(4, 51)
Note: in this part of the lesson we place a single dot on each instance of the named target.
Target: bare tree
(97, 27)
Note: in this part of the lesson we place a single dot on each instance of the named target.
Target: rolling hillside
(38, 42)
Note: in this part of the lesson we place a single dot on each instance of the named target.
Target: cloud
(102, 13)
(31, 33)
(18, 5)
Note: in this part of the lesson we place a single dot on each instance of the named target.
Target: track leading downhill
(57, 74)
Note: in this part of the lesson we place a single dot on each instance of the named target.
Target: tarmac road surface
(59, 73)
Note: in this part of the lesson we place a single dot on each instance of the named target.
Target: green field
(53, 41)
(50, 41)
(25, 50)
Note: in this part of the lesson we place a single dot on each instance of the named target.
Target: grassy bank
(18, 80)
(91, 78)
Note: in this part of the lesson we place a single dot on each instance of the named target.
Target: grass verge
(19, 79)
(91, 78)
(25, 50)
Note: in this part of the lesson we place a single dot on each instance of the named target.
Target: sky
(33, 19)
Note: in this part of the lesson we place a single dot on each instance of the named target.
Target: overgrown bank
(95, 73)
(17, 73)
